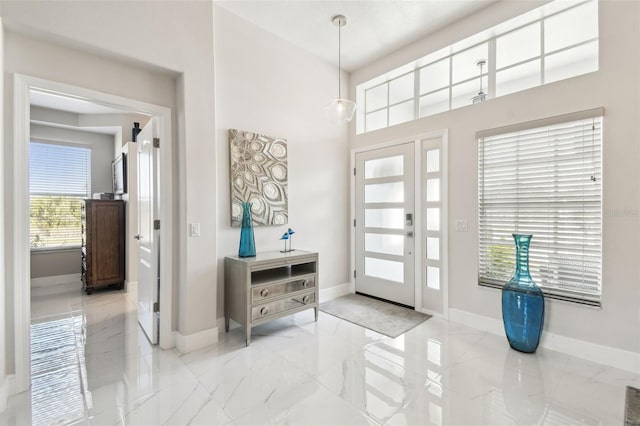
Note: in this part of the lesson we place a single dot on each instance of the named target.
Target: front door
(385, 223)
(148, 241)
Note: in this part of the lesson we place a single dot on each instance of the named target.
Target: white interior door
(385, 223)
(148, 241)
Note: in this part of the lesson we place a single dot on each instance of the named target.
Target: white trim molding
(23, 84)
(326, 294)
(192, 342)
(7, 388)
(606, 355)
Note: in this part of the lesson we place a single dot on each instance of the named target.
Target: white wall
(616, 88)
(108, 74)
(266, 85)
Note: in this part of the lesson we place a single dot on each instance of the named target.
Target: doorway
(400, 222)
(23, 86)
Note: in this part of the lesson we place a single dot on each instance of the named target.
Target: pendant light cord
(339, 62)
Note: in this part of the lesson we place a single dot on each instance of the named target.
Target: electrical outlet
(461, 225)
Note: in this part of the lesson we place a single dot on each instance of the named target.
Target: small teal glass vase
(247, 240)
(522, 303)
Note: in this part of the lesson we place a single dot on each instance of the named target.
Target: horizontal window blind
(544, 181)
(59, 178)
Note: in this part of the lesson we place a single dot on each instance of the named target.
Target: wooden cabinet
(269, 286)
(103, 240)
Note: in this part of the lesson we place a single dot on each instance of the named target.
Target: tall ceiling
(374, 27)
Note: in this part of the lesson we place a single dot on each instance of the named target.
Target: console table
(268, 286)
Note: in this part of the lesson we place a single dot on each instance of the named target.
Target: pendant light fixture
(481, 96)
(340, 110)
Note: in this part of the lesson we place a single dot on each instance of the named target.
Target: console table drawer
(268, 292)
(279, 306)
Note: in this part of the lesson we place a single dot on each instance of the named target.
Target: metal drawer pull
(305, 299)
(306, 283)
(265, 292)
(264, 311)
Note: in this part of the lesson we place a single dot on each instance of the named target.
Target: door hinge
(156, 307)
(354, 273)
(156, 224)
(354, 223)
(354, 171)
(156, 142)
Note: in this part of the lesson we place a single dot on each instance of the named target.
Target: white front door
(148, 241)
(385, 223)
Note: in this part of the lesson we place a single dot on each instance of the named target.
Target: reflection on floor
(92, 365)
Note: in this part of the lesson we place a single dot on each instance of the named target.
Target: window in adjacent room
(544, 179)
(59, 179)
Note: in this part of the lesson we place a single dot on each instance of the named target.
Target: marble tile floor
(92, 365)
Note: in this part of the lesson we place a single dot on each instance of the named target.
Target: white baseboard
(606, 355)
(192, 342)
(334, 292)
(45, 286)
(55, 280)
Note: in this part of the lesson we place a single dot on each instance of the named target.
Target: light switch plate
(195, 229)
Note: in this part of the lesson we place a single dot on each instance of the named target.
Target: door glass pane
(401, 89)
(433, 277)
(385, 269)
(433, 189)
(383, 243)
(462, 93)
(569, 63)
(376, 120)
(433, 160)
(571, 27)
(384, 167)
(434, 76)
(376, 97)
(464, 63)
(401, 113)
(433, 219)
(518, 78)
(384, 218)
(384, 193)
(518, 45)
(434, 103)
(433, 248)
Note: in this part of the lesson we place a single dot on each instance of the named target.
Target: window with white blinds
(544, 180)
(59, 178)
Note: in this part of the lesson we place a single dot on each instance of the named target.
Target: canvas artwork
(259, 176)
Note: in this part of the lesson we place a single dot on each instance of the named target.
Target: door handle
(137, 237)
(410, 234)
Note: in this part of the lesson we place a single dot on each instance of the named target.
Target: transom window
(554, 42)
(544, 179)
(59, 179)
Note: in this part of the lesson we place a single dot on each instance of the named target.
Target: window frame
(559, 292)
(89, 148)
(489, 75)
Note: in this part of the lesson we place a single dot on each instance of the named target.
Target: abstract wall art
(259, 176)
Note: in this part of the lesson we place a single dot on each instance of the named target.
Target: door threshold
(402, 305)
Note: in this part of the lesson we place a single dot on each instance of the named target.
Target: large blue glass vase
(522, 303)
(247, 240)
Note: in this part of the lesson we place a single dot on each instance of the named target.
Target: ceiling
(374, 27)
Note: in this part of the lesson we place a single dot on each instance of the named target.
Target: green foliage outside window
(55, 221)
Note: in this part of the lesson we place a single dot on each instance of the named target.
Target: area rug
(382, 317)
